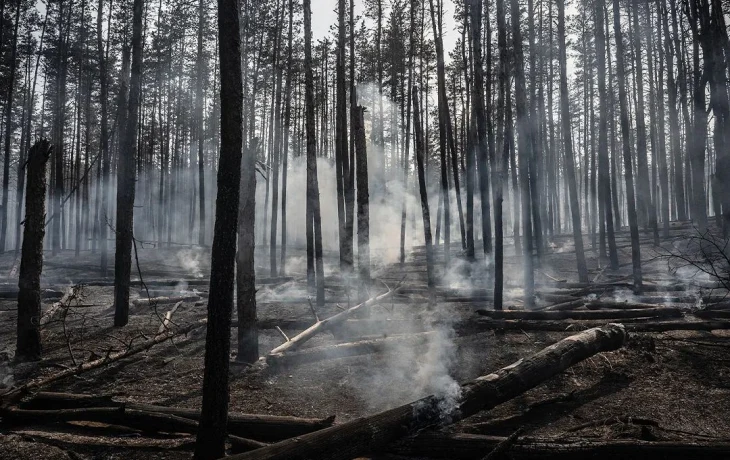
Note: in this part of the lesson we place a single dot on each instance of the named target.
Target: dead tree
(31, 261)
(248, 342)
(315, 276)
(211, 436)
(421, 170)
(628, 166)
(126, 179)
(443, 114)
(567, 134)
(200, 64)
(524, 145)
(363, 200)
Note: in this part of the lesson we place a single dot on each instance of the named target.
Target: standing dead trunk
(420, 149)
(9, 132)
(569, 165)
(248, 342)
(200, 63)
(28, 345)
(285, 146)
(628, 167)
(524, 145)
(210, 442)
(363, 202)
(315, 266)
(126, 179)
(443, 113)
(604, 181)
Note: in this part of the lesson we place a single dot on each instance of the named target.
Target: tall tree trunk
(363, 203)
(126, 179)
(199, 101)
(443, 134)
(569, 165)
(604, 181)
(315, 266)
(420, 149)
(342, 163)
(285, 147)
(28, 346)
(9, 131)
(625, 134)
(524, 145)
(210, 443)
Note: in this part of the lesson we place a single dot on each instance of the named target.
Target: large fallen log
(165, 300)
(632, 325)
(344, 350)
(614, 304)
(470, 446)
(659, 312)
(371, 434)
(299, 339)
(260, 427)
(148, 422)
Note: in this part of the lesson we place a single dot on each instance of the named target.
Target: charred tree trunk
(315, 266)
(443, 135)
(126, 179)
(200, 63)
(363, 201)
(9, 132)
(524, 146)
(211, 436)
(421, 171)
(604, 182)
(625, 134)
(569, 165)
(28, 345)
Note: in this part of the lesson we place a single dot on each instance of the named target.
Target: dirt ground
(679, 380)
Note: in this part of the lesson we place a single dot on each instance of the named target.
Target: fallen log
(469, 446)
(10, 396)
(613, 304)
(164, 300)
(371, 434)
(260, 427)
(47, 400)
(299, 339)
(632, 325)
(148, 422)
(344, 350)
(659, 312)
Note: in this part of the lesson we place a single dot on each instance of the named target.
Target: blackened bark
(9, 132)
(28, 345)
(248, 350)
(200, 63)
(524, 145)
(569, 165)
(443, 135)
(420, 149)
(604, 181)
(210, 443)
(315, 266)
(625, 134)
(363, 201)
(126, 179)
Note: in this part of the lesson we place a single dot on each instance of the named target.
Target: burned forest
(365, 229)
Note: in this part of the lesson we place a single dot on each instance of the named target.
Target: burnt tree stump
(28, 347)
